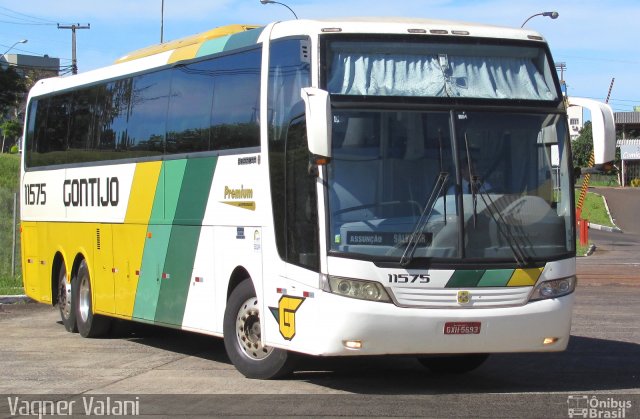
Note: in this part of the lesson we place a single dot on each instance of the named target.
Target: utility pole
(162, 22)
(74, 60)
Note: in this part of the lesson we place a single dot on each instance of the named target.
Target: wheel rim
(64, 296)
(84, 298)
(248, 331)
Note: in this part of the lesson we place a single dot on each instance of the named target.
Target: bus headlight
(554, 288)
(358, 288)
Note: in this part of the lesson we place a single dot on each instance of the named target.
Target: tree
(10, 129)
(12, 89)
(583, 146)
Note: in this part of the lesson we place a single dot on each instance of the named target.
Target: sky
(598, 40)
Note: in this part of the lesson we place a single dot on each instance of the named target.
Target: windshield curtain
(440, 70)
(506, 194)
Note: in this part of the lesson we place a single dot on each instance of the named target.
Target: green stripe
(156, 246)
(183, 244)
(495, 278)
(213, 46)
(243, 39)
(465, 279)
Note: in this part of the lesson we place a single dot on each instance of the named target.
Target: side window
(302, 206)
(148, 114)
(189, 115)
(81, 131)
(57, 131)
(113, 108)
(234, 117)
(36, 126)
(288, 73)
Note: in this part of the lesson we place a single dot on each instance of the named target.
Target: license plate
(462, 328)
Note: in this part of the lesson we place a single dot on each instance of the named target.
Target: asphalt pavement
(616, 258)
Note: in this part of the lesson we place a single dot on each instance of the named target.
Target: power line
(26, 23)
(25, 15)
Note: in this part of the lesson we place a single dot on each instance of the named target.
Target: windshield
(416, 67)
(463, 184)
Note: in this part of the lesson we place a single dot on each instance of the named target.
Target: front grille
(421, 297)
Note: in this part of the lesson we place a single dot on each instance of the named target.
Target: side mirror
(603, 126)
(319, 120)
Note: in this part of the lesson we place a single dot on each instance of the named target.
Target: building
(24, 64)
(575, 114)
(628, 134)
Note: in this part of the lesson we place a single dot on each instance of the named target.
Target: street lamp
(552, 15)
(22, 41)
(281, 4)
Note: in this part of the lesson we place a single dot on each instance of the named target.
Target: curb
(613, 229)
(605, 228)
(13, 299)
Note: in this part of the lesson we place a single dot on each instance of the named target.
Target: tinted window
(301, 207)
(235, 101)
(113, 111)
(206, 105)
(57, 129)
(287, 75)
(148, 112)
(190, 108)
(82, 132)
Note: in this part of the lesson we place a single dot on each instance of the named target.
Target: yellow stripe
(197, 39)
(184, 53)
(524, 277)
(129, 238)
(143, 191)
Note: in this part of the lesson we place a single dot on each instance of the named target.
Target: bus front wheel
(243, 341)
(89, 325)
(65, 301)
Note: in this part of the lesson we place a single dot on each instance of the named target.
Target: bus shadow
(587, 365)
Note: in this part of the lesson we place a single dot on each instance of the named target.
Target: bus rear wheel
(243, 340)
(453, 364)
(89, 325)
(65, 301)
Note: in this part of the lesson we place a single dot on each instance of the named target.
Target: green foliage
(9, 175)
(635, 183)
(582, 146)
(11, 89)
(14, 149)
(9, 172)
(11, 128)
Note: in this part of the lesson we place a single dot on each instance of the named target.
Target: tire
(65, 301)
(454, 364)
(89, 325)
(241, 329)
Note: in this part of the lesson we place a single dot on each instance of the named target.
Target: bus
(360, 186)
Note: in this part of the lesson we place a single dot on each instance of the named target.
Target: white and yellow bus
(326, 187)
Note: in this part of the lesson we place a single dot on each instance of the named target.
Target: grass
(11, 285)
(594, 209)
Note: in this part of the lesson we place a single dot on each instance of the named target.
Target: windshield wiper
(503, 227)
(414, 239)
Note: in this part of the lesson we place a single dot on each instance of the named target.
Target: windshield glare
(506, 195)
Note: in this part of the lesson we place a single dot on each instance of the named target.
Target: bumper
(387, 329)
